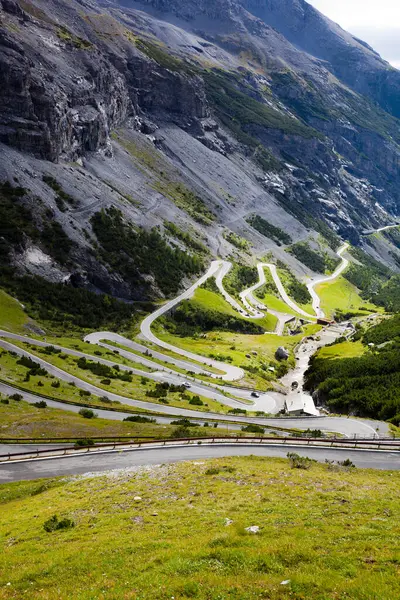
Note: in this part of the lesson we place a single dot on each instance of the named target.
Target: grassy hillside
(342, 296)
(22, 420)
(161, 532)
(12, 315)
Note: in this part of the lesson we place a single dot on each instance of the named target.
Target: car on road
(187, 384)
(255, 395)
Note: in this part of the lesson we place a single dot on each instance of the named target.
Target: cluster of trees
(376, 281)
(104, 371)
(296, 290)
(190, 318)
(17, 225)
(184, 237)
(161, 390)
(316, 261)
(239, 278)
(366, 386)
(65, 305)
(133, 253)
(270, 231)
(236, 240)
(44, 300)
(33, 367)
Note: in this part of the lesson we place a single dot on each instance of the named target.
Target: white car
(187, 384)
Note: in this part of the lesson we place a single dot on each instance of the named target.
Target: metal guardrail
(350, 444)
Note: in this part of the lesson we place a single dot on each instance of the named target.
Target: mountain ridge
(169, 123)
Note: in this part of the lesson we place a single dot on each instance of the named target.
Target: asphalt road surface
(105, 461)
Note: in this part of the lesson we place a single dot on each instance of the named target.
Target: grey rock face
(62, 94)
(349, 58)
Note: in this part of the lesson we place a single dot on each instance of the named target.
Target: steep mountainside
(120, 118)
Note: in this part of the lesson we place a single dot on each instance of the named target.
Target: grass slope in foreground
(330, 535)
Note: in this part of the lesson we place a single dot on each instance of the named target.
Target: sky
(374, 21)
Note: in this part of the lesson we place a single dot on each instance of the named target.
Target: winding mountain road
(101, 461)
(316, 301)
(231, 396)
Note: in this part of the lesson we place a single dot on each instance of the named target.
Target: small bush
(55, 384)
(344, 465)
(16, 397)
(87, 413)
(299, 462)
(347, 464)
(184, 423)
(53, 524)
(139, 419)
(41, 404)
(212, 471)
(196, 401)
(253, 429)
(5, 401)
(181, 432)
(85, 443)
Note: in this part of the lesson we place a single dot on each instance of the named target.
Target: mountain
(138, 140)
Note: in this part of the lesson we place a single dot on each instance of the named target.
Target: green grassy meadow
(12, 316)
(22, 420)
(157, 533)
(210, 300)
(342, 295)
(12, 372)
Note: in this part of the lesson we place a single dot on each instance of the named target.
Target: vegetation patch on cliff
(268, 230)
(135, 252)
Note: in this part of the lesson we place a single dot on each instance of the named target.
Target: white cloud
(378, 23)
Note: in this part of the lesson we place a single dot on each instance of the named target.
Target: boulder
(281, 353)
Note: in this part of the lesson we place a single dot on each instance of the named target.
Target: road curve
(118, 459)
(342, 425)
(316, 301)
(266, 402)
(283, 293)
(232, 373)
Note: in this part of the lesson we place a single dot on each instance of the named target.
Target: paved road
(248, 300)
(268, 402)
(226, 267)
(372, 231)
(105, 461)
(231, 373)
(18, 448)
(343, 425)
(316, 301)
(283, 293)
